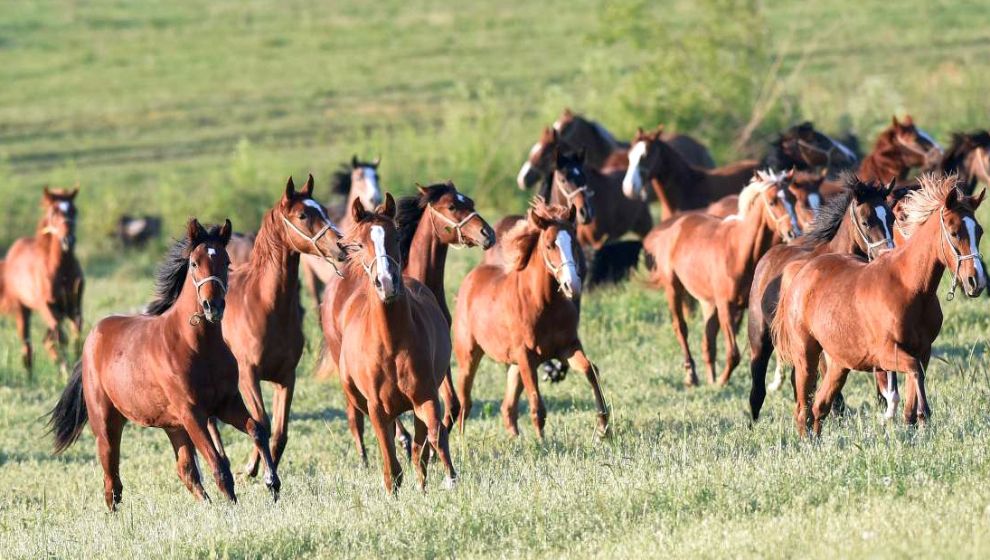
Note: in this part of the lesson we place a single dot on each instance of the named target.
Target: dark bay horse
(802, 147)
(879, 315)
(679, 185)
(264, 318)
(712, 260)
(968, 157)
(357, 180)
(605, 154)
(523, 313)
(395, 346)
(168, 368)
(854, 222)
(42, 274)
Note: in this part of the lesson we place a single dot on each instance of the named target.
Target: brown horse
(264, 317)
(855, 222)
(42, 274)
(603, 213)
(679, 185)
(802, 147)
(523, 313)
(884, 314)
(395, 346)
(358, 180)
(605, 154)
(168, 368)
(712, 260)
(805, 186)
(969, 157)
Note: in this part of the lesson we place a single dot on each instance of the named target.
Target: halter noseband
(960, 258)
(774, 217)
(555, 270)
(870, 245)
(568, 195)
(369, 268)
(197, 318)
(328, 226)
(455, 225)
(828, 153)
(915, 149)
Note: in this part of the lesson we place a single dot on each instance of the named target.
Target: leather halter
(556, 270)
(870, 245)
(314, 239)
(773, 216)
(960, 258)
(457, 226)
(197, 318)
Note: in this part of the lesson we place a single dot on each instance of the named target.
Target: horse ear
(194, 231)
(71, 195)
(894, 123)
(572, 214)
(290, 189)
(308, 187)
(387, 208)
(46, 195)
(422, 190)
(908, 121)
(790, 174)
(536, 219)
(823, 174)
(658, 131)
(354, 161)
(225, 232)
(977, 200)
(358, 212)
(890, 187)
(567, 114)
(952, 198)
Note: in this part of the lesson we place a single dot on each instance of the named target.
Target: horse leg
(510, 403)
(760, 349)
(249, 384)
(236, 414)
(832, 383)
(185, 463)
(709, 346)
(211, 425)
(76, 324)
(54, 339)
(467, 362)
(24, 331)
(420, 455)
(916, 397)
(537, 411)
(728, 318)
(451, 404)
(403, 437)
(108, 425)
(805, 379)
(195, 425)
(428, 414)
(579, 361)
(383, 425)
(887, 392)
(675, 302)
(355, 420)
(281, 405)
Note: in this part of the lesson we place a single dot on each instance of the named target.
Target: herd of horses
(836, 258)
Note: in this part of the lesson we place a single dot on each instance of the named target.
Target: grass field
(182, 108)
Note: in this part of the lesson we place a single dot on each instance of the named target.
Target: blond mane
(760, 182)
(518, 243)
(919, 204)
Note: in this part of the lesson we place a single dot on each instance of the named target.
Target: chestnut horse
(358, 181)
(969, 157)
(264, 317)
(879, 315)
(168, 368)
(854, 222)
(805, 186)
(679, 185)
(522, 313)
(605, 154)
(712, 260)
(42, 274)
(603, 213)
(395, 345)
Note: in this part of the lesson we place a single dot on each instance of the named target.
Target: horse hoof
(449, 483)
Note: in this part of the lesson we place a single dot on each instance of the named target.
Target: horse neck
(917, 262)
(844, 241)
(389, 320)
(678, 179)
(884, 163)
(274, 266)
(751, 239)
(179, 320)
(535, 282)
(598, 148)
(427, 256)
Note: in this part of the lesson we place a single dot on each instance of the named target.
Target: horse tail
(780, 331)
(325, 367)
(69, 416)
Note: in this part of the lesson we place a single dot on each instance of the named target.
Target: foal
(855, 222)
(168, 368)
(712, 260)
(42, 274)
(884, 314)
(395, 345)
(523, 313)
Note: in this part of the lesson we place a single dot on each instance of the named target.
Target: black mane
(959, 149)
(171, 274)
(776, 158)
(829, 217)
(409, 212)
(340, 181)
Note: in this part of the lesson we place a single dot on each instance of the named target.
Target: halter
(197, 318)
(369, 268)
(960, 258)
(328, 226)
(816, 149)
(914, 149)
(555, 270)
(773, 217)
(455, 225)
(870, 245)
(568, 195)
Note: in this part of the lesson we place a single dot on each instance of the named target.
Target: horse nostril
(378, 283)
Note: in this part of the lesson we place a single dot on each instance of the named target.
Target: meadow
(187, 108)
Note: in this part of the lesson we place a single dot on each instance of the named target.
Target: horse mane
(340, 181)
(956, 154)
(171, 274)
(519, 242)
(546, 188)
(828, 220)
(352, 266)
(409, 213)
(761, 181)
(919, 204)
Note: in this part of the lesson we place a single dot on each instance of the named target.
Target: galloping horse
(712, 260)
(802, 147)
(884, 314)
(610, 216)
(679, 185)
(969, 157)
(168, 368)
(523, 313)
(605, 154)
(359, 181)
(395, 345)
(264, 317)
(41, 274)
(855, 222)
(804, 185)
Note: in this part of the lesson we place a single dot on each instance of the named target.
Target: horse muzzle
(387, 288)
(488, 237)
(213, 312)
(527, 176)
(974, 285)
(68, 243)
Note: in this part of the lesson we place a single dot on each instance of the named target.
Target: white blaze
(790, 210)
(568, 271)
(211, 251)
(845, 150)
(981, 275)
(371, 180)
(882, 216)
(64, 206)
(815, 201)
(378, 239)
(632, 183)
(925, 136)
(526, 167)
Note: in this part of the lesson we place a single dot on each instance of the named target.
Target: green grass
(180, 108)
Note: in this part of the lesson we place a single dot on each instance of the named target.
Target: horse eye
(302, 215)
(193, 264)
(452, 208)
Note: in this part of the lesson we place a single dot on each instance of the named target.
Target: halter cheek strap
(773, 217)
(370, 268)
(960, 258)
(568, 195)
(328, 226)
(555, 270)
(197, 318)
(870, 245)
(816, 149)
(456, 226)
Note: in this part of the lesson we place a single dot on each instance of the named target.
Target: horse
(41, 274)
(168, 368)
(358, 181)
(901, 147)
(395, 346)
(804, 148)
(605, 154)
(968, 157)
(612, 215)
(439, 217)
(523, 313)
(712, 260)
(879, 315)
(804, 185)
(137, 231)
(264, 317)
(239, 248)
(678, 184)
(854, 222)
